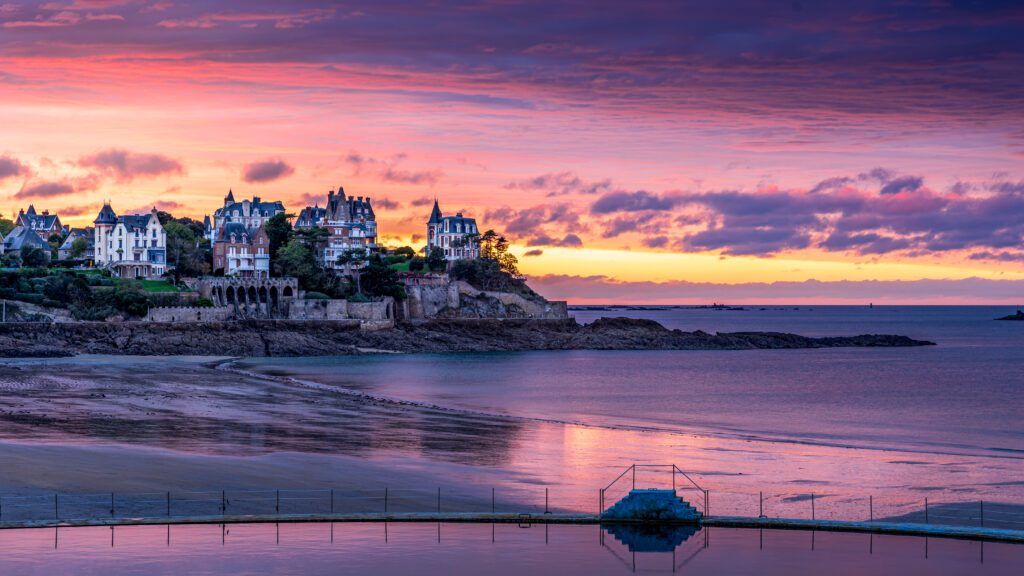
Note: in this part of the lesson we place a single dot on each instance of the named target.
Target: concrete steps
(652, 506)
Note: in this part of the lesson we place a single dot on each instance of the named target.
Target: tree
(55, 240)
(185, 250)
(436, 260)
(353, 256)
(278, 229)
(406, 251)
(416, 264)
(6, 226)
(495, 248)
(380, 279)
(298, 259)
(34, 257)
(78, 247)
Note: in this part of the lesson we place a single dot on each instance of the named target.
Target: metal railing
(615, 488)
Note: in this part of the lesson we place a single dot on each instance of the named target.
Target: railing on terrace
(47, 508)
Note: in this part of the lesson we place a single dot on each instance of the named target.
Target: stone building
(457, 235)
(20, 238)
(43, 224)
(64, 252)
(350, 223)
(251, 214)
(130, 246)
(241, 252)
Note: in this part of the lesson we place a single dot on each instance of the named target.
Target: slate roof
(20, 237)
(106, 216)
(36, 221)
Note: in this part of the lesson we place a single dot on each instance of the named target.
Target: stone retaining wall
(190, 314)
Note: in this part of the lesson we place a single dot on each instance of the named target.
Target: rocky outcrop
(313, 338)
(1019, 316)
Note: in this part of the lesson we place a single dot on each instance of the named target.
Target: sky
(642, 151)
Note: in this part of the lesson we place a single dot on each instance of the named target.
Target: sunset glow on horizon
(628, 151)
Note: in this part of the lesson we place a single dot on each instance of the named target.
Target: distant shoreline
(256, 338)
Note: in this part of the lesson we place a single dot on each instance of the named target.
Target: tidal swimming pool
(429, 549)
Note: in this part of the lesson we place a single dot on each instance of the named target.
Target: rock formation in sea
(319, 338)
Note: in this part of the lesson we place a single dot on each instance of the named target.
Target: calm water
(897, 423)
(429, 549)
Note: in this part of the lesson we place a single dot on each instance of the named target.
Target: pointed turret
(31, 210)
(230, 198)
(435, 214)
(106, 216)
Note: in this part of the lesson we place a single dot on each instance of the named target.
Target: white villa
(457, 235)
(131, 246)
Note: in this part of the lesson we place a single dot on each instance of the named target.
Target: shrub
(204, 303)
(317, 296)
(357, 297)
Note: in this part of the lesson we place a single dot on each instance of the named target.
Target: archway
(287, 293)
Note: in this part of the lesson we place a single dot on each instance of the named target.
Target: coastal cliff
(319, 338)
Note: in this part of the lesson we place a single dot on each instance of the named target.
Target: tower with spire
(457, 236)
(350, 222)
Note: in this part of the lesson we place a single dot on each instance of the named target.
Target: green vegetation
(87, 295)
(157, 286)
(279, 230)
(496, 269)
(436, 260)
(188, 252)
(6, 226)
(78, 247)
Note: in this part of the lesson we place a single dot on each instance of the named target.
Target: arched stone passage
(287, 292)
(231, 294)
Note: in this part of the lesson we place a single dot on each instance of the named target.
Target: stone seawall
(457, 299)
(319, 337)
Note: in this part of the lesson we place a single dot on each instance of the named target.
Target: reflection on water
(429, 549)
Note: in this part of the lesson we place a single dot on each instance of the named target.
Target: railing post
(673, 478)
(634, 476)
(546, 509)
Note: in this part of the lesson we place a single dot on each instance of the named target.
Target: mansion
(43, 224)
(350, 224)
(237, 237)
(130, 246)
(456, 235)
